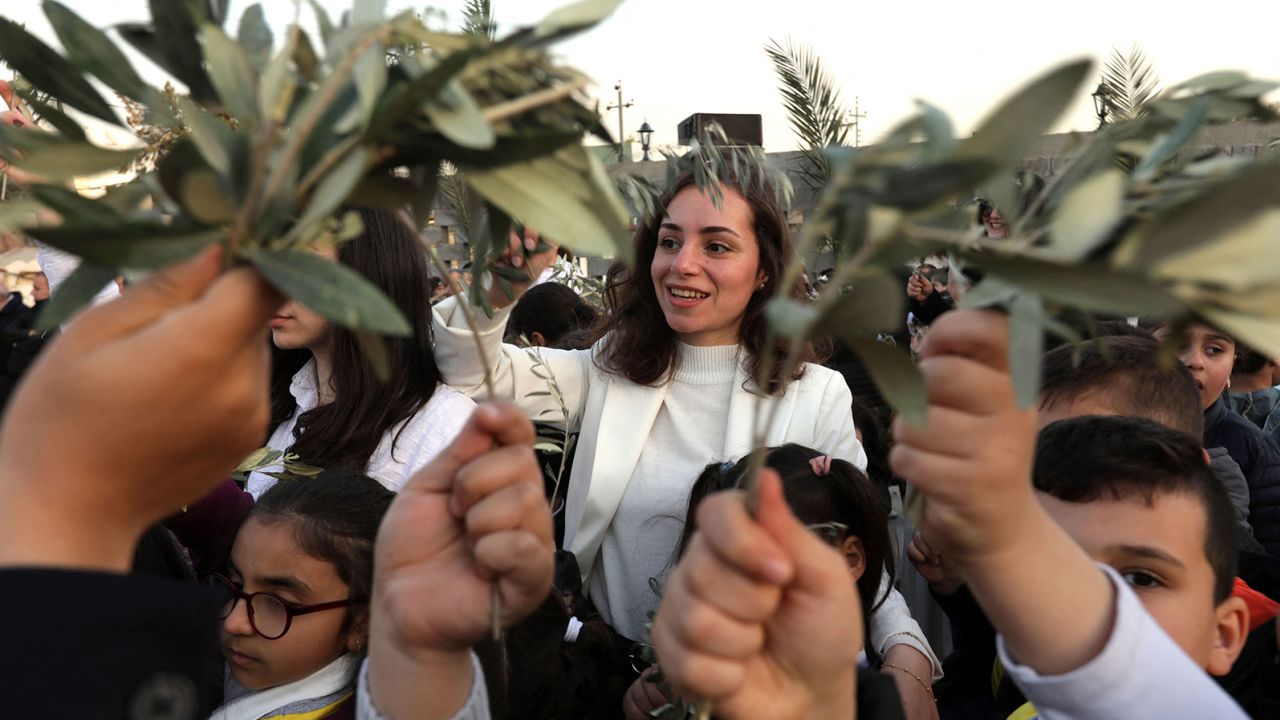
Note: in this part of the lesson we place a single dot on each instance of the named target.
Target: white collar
(252, 705)
(303, 387)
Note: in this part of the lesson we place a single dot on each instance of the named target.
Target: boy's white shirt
(1140, 673)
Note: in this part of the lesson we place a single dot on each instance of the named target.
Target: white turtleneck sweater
(641, 542)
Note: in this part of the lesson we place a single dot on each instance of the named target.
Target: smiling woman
(668, 387)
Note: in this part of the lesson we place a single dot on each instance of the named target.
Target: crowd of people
(1110, 553)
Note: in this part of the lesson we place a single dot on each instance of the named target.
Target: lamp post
(646, 134)
(620, 106)
(1100, 104)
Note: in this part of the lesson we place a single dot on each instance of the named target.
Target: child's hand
(942, 576)
(473, 517)
(142, 405)
(643, 697)
(973, 458)
(760, 617)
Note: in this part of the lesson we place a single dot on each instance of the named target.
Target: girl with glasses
(297, 586)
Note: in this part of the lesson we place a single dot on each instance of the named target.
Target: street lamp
(646, 134)
(1100, 104)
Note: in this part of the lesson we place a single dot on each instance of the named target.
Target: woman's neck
(324, 375)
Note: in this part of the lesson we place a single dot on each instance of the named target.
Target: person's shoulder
(819, 378)
(447, 400)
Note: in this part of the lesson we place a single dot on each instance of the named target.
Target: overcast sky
(678, 57)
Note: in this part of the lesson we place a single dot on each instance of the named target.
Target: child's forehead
(1166, 523)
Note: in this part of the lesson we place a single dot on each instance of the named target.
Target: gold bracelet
(915, 677)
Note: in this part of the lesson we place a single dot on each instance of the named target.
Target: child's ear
(358, 635)
(855, 556)
(1232, 619)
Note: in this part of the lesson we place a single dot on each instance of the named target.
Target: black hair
(1248, 360)
(1129, 372)
(1091, 458)
(844, 495)
(346, 432)
(875, 443)
(551, 309)
(336, 518)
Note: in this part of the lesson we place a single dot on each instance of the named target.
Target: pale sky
(678, 57)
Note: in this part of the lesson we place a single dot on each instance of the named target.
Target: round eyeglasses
(269, 615)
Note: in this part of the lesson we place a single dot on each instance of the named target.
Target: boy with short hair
(1254, 392)
(1074, 638)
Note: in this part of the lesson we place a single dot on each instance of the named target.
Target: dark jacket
(1259, 459)
(21, 344)
(89, 646)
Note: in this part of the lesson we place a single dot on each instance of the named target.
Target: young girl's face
(266, 558)
(1209, 355)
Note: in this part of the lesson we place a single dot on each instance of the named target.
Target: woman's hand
(141, 406)
(760, 617)
(474, 518)
(515, 257)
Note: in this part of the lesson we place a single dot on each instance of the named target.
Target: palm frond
(1130, 83)
(814, 108)
(478, 19)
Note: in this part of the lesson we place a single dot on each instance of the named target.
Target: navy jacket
(1259, 459)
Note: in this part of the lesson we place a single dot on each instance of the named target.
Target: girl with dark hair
(329, 407)
(546, 314)
(668, 386)
(298, 583)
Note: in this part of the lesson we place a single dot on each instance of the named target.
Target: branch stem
(495, 605)
(511, 108)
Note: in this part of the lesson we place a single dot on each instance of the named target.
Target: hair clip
(821, 465)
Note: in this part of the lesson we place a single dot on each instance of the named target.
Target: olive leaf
(1088, 214)
(896, 377)
(44, 68)
(76, 291)
(130, 245)
(330, 289)
(231, 73)
(255, 36)
(90, 49)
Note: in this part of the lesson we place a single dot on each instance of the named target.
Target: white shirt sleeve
(1140, 672)
(476, 707)
(891, 624)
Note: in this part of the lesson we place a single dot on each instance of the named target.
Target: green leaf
(457, 116)
(872, 302)
(575, 17)
(174, 43)
(566, 196)
(1087, 216)
(322, 21)
(1173, 141)
(1213, 81)
(331, 289)
(337, 185)
(131, 246)
(548, 447)
(50, 114)
(896, 377)
(56, 157)
(1087, 286)
(91, 49)
(254, 36)
(17, 213)
(1214, 213)
(210, 136)
(232, 74)
(45, 69)
(202, 197)
(370, 77)
(1235, 259)
(1026, 346)
(368, 12)
(75, 208)
(405, 98)
(276, 91)
(1013, 128)
(789, 318)
(80, 287)
(940, 135)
